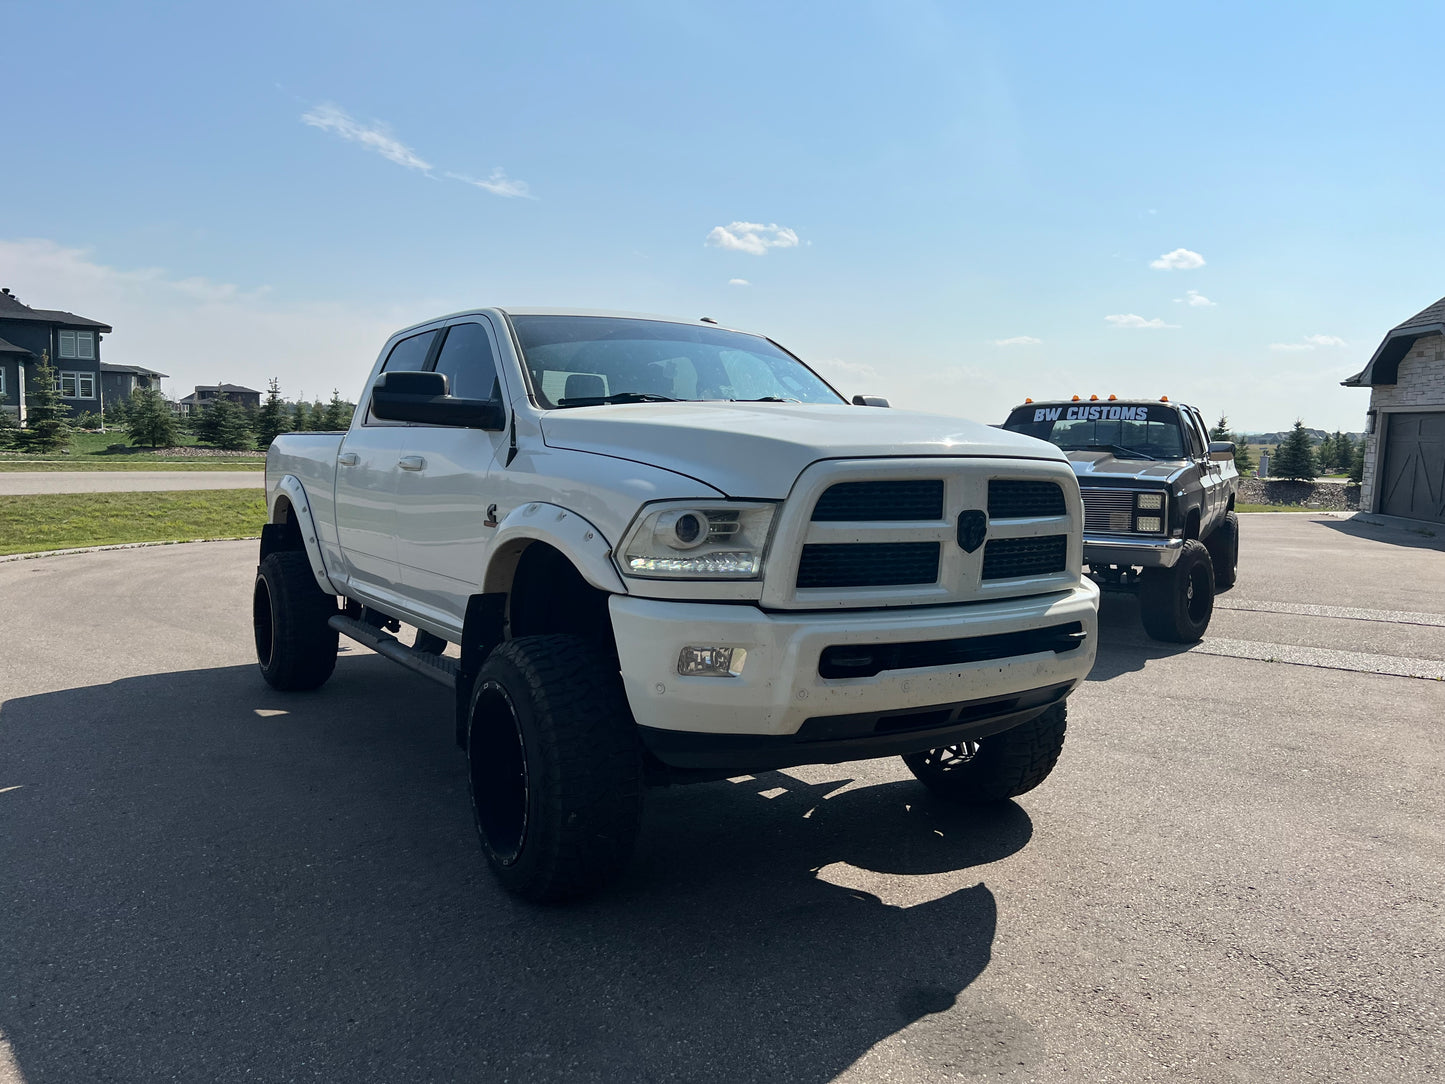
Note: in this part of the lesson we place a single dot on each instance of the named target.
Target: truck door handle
(348, 459)
(412, 462)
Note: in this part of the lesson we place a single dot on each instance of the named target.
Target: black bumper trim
(835, 739)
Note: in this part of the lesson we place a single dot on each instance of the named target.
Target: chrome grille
(1109, 510)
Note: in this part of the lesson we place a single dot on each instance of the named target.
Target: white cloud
(1195, 299)
(1325, 340)
(1290, 346)
(1181, 259)
(739, 282)
(248, 334)
(751, 237)
(498, 184)
(374, 137)
(1018, 340)
(1129, 319)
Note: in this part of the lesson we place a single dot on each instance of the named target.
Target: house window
(78, 344)
(2, 381)
(75, 385)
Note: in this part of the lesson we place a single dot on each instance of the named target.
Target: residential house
(73, 343)
(1405, 426)
(118, 381)
(207, 393)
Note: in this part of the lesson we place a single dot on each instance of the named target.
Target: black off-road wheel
(295, 647)
(995, 768)
(1177, 603)
(555, 767)
(1223, 546)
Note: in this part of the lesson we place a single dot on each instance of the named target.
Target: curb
(120, 546)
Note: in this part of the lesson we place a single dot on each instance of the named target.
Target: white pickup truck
(650, 551)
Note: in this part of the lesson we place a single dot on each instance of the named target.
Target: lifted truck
(1158, 502)
(645, 551)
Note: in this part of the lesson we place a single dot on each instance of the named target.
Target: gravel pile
(186, 453)
(1329, 496)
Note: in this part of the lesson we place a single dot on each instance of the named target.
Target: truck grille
(1011, 498)
(869, 564)
(1108, 510)
(1009, 558)
(867, 502)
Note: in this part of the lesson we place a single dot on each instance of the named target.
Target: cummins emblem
(972, 529)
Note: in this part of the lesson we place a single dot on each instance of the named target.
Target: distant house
(118, 381)
(246, 397)
(1405, 427)
(73, 343)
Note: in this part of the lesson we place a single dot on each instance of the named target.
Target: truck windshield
(588, 360)
(1129, 431)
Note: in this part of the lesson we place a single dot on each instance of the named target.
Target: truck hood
(1103, 466)
(759, 449)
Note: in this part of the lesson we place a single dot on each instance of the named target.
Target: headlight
(685, 540)
(1151, 501)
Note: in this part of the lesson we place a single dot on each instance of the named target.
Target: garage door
(1413, 477)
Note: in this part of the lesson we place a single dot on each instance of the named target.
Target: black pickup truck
(1158, 502)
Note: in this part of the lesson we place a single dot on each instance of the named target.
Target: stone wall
(1329, 496)
(1420, 385)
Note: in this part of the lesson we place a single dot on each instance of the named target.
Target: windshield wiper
(1121, 450)
(767, 399)
(618, 397)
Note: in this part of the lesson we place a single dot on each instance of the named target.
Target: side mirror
(1221, 451)
(422, 397)
(869, 400)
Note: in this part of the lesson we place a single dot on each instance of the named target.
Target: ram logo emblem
(972, 529)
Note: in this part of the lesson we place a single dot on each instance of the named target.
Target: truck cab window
(466, 359)
(409, 355)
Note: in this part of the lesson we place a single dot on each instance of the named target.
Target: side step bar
(439, 668)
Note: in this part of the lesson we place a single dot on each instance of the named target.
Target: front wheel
(295, 645)
(995, 768)
(1177, 603)
(555, 769)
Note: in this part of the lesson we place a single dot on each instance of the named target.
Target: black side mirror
(869, 400)
(1221, 451)
(422, 397)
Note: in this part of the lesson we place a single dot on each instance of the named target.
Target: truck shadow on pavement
(205, 879)
(1123, 644)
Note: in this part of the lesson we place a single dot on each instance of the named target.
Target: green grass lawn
(90, 451)
(57, 521)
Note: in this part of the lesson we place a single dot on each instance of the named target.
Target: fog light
(711, 661)
(1149, 524)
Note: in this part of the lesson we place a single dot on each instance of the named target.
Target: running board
(439, 668)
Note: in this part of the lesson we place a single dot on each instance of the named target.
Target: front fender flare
(294, 492)
(565, 531)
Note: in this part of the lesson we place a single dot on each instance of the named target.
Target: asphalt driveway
(1235, 874)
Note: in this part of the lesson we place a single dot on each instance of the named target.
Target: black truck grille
(868, 660)
(1010, 498)
(879, 501)
(1007, 558)
(868, 564)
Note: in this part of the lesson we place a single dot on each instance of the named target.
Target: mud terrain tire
(995, 768)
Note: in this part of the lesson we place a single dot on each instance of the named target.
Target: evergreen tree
(1344, 452)
(47, 421)
(9, 425)
(271, 419)
(117, 411)
(230, 429)
(301, 416)
(151, 421)
(1295, 458)
(1357, 463)
(201, 424)
(1243, 461)
(338, 413)
(1325, 454)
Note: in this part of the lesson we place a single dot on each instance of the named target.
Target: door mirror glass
(1221, 450)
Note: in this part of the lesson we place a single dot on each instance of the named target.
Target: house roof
(1384, 366)
(11, 348)
(134, 370)
(229, 389)
(12, 308)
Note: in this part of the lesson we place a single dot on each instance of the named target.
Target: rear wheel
(1177, 603)
(295, 647)
(1223, 546)
(995, 768)
(555, 769)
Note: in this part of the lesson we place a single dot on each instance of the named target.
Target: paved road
(126, 481)
(1234, 875)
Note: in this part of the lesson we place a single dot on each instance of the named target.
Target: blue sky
(254, 190)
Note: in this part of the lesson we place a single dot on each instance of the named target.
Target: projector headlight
(688, 540)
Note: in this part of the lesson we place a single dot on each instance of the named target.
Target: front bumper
(1109, 549)
(781, 695)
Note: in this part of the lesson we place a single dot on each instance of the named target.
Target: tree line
(150, 421)
(1298, 457)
